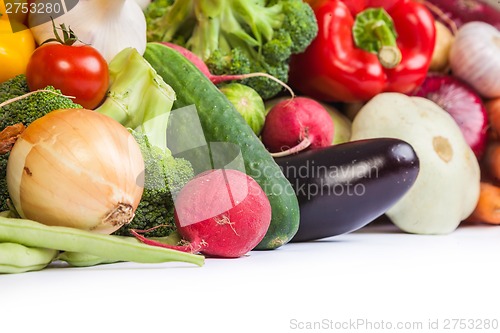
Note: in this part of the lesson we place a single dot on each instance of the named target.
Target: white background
(376, 274)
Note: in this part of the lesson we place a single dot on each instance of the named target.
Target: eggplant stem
(304, 144)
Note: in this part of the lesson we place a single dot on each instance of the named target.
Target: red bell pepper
(363, 48)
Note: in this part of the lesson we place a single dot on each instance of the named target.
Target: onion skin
(76, 168)
(464, 11)
(463, 104)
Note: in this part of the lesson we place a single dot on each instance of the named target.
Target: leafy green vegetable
(25, 110)
(237, 36)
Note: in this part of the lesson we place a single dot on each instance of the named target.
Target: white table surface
(375, 274)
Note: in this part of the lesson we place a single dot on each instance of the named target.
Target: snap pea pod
(34, 234)
(17, 258)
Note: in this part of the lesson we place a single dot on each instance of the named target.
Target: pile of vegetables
(174, 130)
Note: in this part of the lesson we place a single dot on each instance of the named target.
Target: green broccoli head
(234, 61)
(278, 49)
(237, 36)
(32, 107)
(25, 110)
(164, 177)
(300, 22)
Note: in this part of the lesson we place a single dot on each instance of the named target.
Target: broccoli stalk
(237, 36)
(140, 100)
(24, 111)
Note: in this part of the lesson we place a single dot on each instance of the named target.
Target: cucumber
(222, 123)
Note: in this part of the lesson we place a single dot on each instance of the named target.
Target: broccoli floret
(25, 111)
(300, 22)
(163, 178)
(234, 62)
(237, 36)
(279, 49)
(32, 107)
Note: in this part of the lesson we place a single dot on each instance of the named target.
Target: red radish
(462, 103)
(216, 79)
(295, 124)
(220, 213)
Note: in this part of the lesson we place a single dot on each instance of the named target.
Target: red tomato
(78, 71)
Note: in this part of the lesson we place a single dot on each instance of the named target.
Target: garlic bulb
(143, 3)
(108, 25)
(76, 168)
(474, 57)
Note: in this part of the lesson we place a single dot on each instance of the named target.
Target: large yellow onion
(76, 168)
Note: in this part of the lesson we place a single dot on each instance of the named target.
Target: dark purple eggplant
(344, 187)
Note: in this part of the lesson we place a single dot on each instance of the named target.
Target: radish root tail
(222, 78)
(304, 144)
(186, 247)
(224, 220)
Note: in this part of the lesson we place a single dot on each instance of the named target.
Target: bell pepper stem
(389, 54)
(374, 31)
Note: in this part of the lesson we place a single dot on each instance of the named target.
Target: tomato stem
(68, 38)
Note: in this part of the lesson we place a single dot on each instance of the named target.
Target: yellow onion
(76, 168)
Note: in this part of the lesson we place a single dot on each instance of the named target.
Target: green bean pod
(17, 258)
(34, 234)
(79, 259)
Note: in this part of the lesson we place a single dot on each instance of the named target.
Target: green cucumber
(222, 123)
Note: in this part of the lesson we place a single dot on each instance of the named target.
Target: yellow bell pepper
(15, 49)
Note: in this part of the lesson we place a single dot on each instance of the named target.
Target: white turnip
(220, 213)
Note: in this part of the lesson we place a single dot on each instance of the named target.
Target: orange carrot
(491, 162)
(488, 206)
(493, 109)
